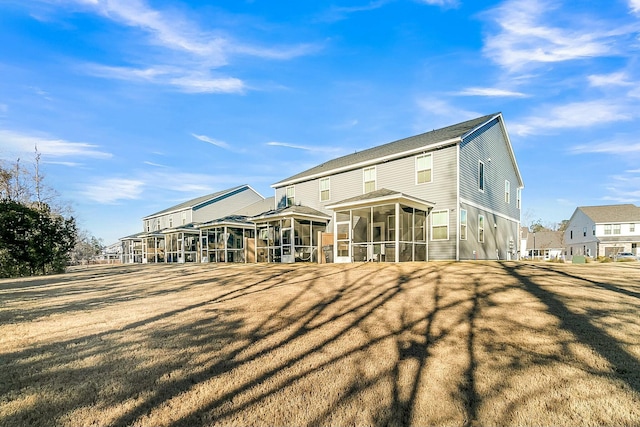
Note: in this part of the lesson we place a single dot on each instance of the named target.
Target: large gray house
(449, 194)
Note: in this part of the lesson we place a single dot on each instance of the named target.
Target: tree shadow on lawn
(364, 344)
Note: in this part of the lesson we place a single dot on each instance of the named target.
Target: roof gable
(453, 133)
(612, 213)
(201, 201)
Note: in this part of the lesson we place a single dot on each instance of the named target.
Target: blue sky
(136, 105)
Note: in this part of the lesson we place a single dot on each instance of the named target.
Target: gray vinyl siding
(225, 206)
(488, 143)
(397, 175)
(500, 234)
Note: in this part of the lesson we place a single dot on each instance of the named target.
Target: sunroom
(230, 239)
(382, 225)
(289, 234)
(181, 244)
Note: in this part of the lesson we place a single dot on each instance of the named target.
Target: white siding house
(603, 231)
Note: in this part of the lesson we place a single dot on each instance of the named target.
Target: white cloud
(212, 141)
(634, 5)
(184, 79)
(111, 190)
(442, 3)
(491, 92)
(529, 33)
(574, 115)
(441, 108)
(17, 143)
(619, 147)
(613, 79)
(319, 149)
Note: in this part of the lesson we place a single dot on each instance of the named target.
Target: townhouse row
(454, 193)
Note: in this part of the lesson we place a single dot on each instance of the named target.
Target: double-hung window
(291, 195)
(369, 179)
(616, 228)
(463, 224)
(507, 192)
(423, 168)
(481, 228)
(607, 229)
(324, 189)
(440, 225)
(518, 198)
(480, 175)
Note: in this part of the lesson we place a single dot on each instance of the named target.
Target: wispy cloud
(319, 149)
(490, 92)
(634, 5)
(338, 13)
(574, 115)
(191, 57)
(529, 33)
(212, 141)
(186, 81)
(18, 143)
(112, 190)
(443, 110)
(616, 146)
(441, 3)
(613, 79)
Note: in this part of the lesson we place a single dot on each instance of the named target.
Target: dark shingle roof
(612, 213)
(197, 201)
(392, 148)
(545, 240)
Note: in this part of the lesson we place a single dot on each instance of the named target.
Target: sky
(138, 105)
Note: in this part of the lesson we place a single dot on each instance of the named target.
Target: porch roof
(296, 211)
(234, 220)
(382, 196)
(187, 228)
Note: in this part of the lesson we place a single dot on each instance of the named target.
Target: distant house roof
(257, 207)
(241, 220)
(202, 201)
(612, 213)
(545, 240)
(449, 133)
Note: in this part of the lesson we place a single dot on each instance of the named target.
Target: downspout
(397, 233)
(458, 201)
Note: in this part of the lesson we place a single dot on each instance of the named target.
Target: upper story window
(632, 228)
(291, 195)
(584, 231)
(480, 175)
(616, 228)
(423, 168)
(507, 192)
(147, 226)
(184, 218)
(593, 230)
(607, 229)
(440, 225)
(463, 224)
(369, 179)
(170, 221)
(481, 228)
(519, 198)
(325, 185)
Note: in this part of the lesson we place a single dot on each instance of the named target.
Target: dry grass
(360, 344)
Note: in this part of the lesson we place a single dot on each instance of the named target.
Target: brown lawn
(485, 343)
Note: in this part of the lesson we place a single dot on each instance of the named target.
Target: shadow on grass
(293, 345)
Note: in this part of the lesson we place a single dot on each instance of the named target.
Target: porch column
(397, 233)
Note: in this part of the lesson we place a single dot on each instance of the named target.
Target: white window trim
(519, 198)
(430, 155)
(375, 179)
(447, 225)
(286, 195)
(481, 228)
(466, 224)
(481, 181)
(328, 189)
(507, 191)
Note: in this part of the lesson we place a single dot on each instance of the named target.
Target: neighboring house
(449, 194)
(603, 230)
(543, 245)
(173, 234)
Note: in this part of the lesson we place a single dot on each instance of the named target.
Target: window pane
(424, 176)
